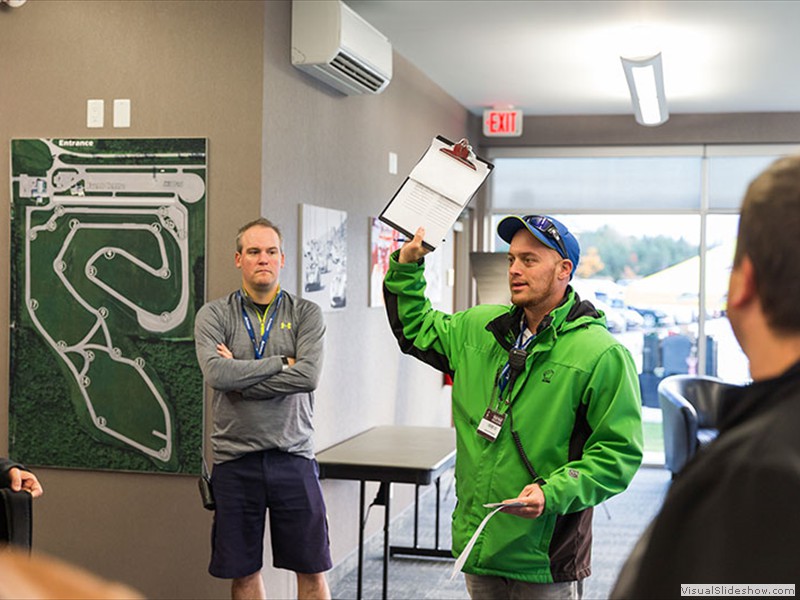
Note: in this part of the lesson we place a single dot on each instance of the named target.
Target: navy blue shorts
(287, 487)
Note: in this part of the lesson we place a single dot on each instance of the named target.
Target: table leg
(415, 550)
(416, 516)
(360, 540)
(386, 539)
(438, 481)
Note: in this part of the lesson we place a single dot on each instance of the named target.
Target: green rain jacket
(576, 408)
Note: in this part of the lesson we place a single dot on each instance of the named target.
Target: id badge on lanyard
(492, 422)
(258, 347)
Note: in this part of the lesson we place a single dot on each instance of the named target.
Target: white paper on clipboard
(436, 191)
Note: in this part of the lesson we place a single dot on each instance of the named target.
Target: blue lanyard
(258, 348)
(505, 374)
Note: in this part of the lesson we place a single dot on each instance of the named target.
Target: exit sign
(502, 123)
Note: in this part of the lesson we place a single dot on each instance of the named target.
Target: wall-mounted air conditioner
(332, 43)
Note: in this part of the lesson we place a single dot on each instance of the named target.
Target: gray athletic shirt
(255, 404)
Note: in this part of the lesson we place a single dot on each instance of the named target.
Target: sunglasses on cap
(546, 227)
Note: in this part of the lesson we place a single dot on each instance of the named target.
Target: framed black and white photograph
(323, 275)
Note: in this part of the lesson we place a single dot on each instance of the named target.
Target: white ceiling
(562, 57)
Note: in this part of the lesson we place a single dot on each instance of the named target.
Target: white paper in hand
(465, 554)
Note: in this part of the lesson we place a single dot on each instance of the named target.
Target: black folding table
(392, 454)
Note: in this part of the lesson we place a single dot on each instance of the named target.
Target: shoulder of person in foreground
(45, 577)
(728, 517)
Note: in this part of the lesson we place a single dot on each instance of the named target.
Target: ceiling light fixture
(646, 82)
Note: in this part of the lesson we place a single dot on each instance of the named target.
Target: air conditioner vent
(333, 43)
(353, 70)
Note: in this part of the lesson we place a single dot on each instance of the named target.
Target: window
(588, 183)
(642, 272)
(657, 228)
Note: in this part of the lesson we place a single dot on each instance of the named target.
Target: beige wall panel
(190, 69)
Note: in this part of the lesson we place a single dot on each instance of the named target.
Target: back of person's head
(768, 234)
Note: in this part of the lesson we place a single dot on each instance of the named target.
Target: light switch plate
(94, 113)
(122, 113)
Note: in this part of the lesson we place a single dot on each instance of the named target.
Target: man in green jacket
(546, 407)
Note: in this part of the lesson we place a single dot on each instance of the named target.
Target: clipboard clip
(461, 152)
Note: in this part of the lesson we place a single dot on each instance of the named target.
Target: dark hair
(768, 229)
(260, 222)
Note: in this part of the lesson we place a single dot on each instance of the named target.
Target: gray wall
(277, 138)
(330, 150)
(326, 149)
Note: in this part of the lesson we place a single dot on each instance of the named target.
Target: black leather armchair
(16, 518)
(16, 521)
(690, 409)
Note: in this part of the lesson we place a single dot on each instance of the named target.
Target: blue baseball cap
(551, 232)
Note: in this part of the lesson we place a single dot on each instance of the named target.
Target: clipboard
(436, 191)
(461, 152)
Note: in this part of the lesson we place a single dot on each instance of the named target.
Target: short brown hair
(260, 222)
(768, 235)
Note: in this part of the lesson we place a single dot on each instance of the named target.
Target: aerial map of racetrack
(107, 272)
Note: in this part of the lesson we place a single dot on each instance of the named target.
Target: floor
(618, 523)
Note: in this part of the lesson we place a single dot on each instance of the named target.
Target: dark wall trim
(611, 130)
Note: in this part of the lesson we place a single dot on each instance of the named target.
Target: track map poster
(107, 272)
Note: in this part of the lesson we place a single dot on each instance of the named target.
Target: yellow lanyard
(262, 319)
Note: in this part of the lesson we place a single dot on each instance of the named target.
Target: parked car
(633, 320)
(655, 317)
(615, 320)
